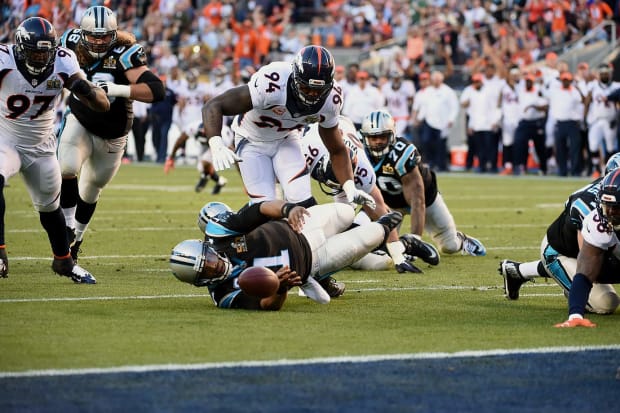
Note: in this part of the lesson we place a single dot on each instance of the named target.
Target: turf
(139, 314)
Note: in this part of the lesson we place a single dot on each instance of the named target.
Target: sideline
(288, 362)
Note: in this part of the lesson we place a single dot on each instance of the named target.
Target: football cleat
(513, 280)
(75, 250)
(391, 220)
(406, 266)
(202, 183)
(67, 268)
(221, 183)
(576, 322)
(4, 263)
(418, 248)
(313, 290)
(334, 288)
(471, 245)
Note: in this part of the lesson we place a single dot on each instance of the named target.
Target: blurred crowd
(238, 33)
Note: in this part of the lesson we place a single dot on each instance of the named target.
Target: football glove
(169, 165)
(358, 196)
(112, 89)
(223, 158)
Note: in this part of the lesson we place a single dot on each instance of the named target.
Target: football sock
(529, 270)
(215, 177)
(578, 295)
(54, 224)
(83, 215)
(68, 200)
(541, 270)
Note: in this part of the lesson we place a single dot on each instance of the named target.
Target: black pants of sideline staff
(568, 147)
(529, 130)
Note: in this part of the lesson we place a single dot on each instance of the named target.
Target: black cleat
(334, 288)
(221, 183)
(4, 263)
(421, 249)
(513, 280)
(391, 220)
(202, 183)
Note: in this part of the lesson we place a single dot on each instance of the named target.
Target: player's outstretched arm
(93, 96)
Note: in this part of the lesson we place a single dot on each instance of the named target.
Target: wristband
(286, 209)
(121, 91)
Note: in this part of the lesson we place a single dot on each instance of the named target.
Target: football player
(560, 248)
(410, 186)
(602, 118)
(33, 73)
(273, 107)
(205, 164)
(191, 100)
(599, 256)
(319, 164)
(313, 243)
(92, 145)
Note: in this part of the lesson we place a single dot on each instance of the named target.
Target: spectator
(361, 99)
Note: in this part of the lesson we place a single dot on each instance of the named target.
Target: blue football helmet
(36, 45)
(313, 75)
(609, 200)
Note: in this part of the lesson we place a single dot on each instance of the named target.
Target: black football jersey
(562, 233)
(273, 244)
(390, 169)
(112, 67)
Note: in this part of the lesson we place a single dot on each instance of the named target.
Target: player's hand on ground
(288, 278)
(223, 157)
(297, 218)
(169, 165)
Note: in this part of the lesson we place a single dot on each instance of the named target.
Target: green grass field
(138, 313)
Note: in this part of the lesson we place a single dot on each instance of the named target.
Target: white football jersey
(600, 108)
(314, 149)
(28, 108)
(597, 234)
(194, 98)
(397, 100)
(510, 103)
(270, 120)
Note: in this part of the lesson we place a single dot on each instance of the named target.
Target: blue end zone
(584, 381)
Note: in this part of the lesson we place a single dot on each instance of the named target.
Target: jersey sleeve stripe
(400, 165)
(125, 58)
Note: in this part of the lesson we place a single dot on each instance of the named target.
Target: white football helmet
(99, 23)
(210, 210)
(378, 123)
(196, 262)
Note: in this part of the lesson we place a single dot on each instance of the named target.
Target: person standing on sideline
(440, 112)
(362, 98)
(566, 107)
(483, 121)
(140, 126)
(33, 73)
(162, 115)
(92, 145)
